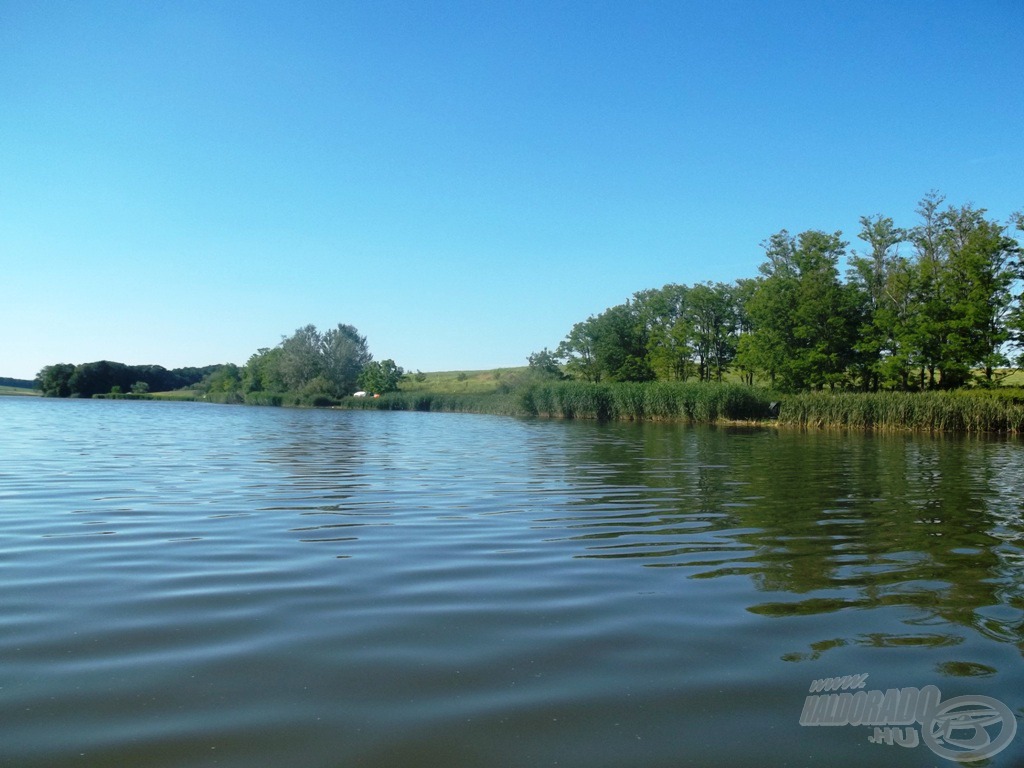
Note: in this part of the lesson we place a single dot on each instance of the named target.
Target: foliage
(380, 377)
(945, 313)
(308, 367)
(100, 377)
(544, 365)
(6, 381)
(609, 347)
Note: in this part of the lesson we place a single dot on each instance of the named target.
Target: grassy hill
(6, 389)
(461, 382)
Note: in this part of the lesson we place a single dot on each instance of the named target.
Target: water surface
(194, 585)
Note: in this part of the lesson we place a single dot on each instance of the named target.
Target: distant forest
(104, 376)
(933, 306)
(6, 381)
(309, 367)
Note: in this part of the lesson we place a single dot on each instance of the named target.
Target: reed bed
(653, 401)
(973, 411)
(440, 402)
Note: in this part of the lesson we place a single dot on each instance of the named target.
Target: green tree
(345, 355)
(99, 378)
(713, 321)
(967, 272)
(578, 350)
(663, 316)
(263, 371)
(302, 357)
(742, 291)
(55, 380)
(982, 272)
(879, 350)
(226, 378)
(544, 365)
(333, 360)
(620, 344)
(802, 317)
(611, 346)
(380, 377)
(769, 344)
(825, 317)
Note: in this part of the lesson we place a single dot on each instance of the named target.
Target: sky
(183, 183)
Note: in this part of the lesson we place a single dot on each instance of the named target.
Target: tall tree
(930, 320)
(769, 345)
(380, 377)
(982, 273)
(55, 380)
(302, 358)
(578, 351)
(967, 273)
(802, 317)
(874, 279)
(742, 291)
(663, 316)
(713, 322)
(263, 371)
(611, 346)
(345, 354)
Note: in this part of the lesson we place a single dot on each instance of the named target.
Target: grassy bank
(464, 382)
(972, 411)
(511, 393)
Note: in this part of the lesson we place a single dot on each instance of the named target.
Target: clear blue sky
(182, 183)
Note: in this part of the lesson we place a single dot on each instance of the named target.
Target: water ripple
(191, 585)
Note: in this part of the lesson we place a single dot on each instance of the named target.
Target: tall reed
(652, 401)
(960, 411)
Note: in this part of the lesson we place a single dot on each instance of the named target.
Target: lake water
(196, 585)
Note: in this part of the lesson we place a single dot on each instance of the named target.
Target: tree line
(932, 306)
(104, 376)
(308, 367)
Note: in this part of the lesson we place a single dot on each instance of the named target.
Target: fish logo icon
(969, 728)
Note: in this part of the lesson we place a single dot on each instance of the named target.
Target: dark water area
(192, 585)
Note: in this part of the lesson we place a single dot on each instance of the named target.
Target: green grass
(1011, 379)
(463, 382)
(19, 391)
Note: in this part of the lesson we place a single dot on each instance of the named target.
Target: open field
(462, 382)
(1013, 378)
(19, 391)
